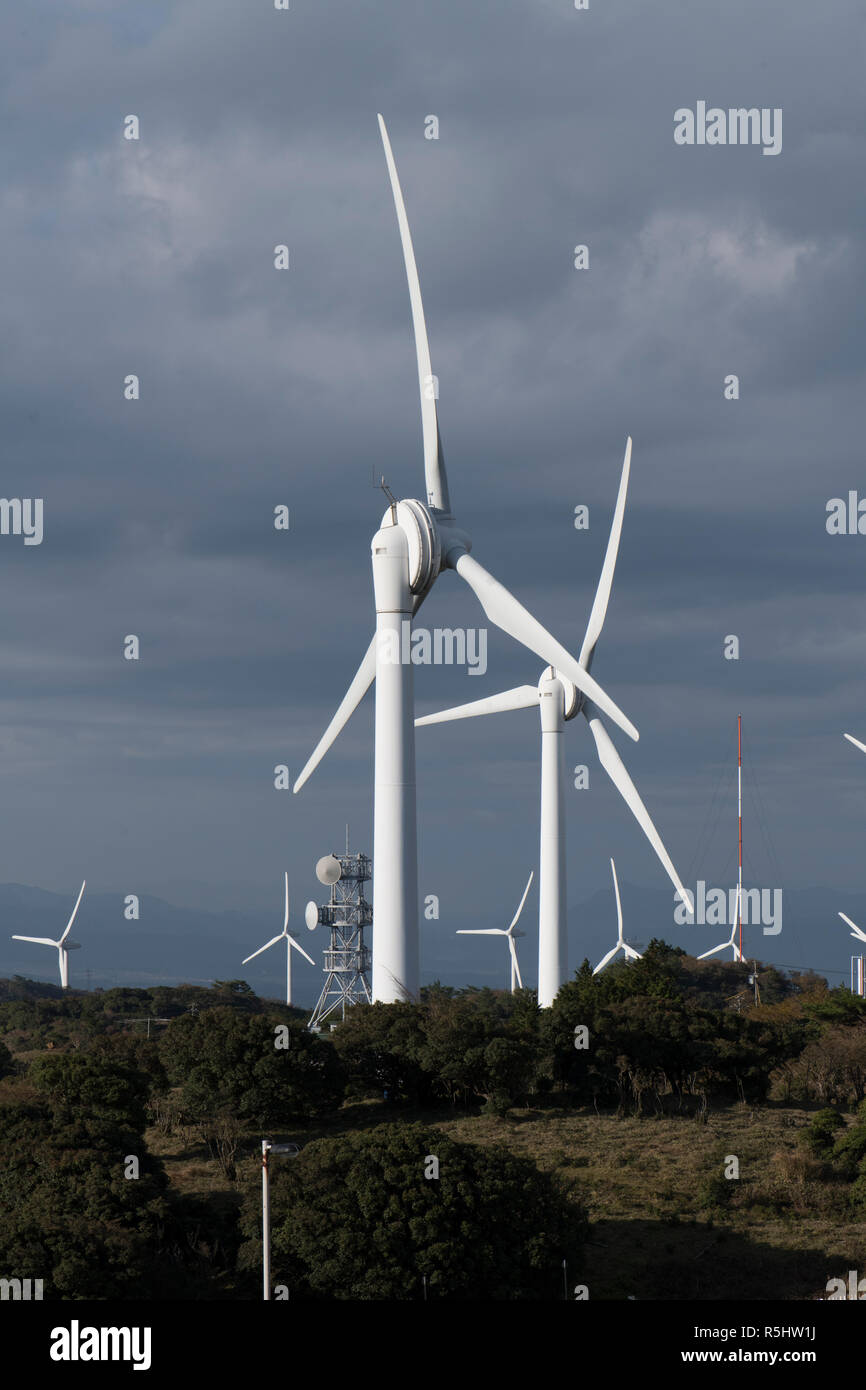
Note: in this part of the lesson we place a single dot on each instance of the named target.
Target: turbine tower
(509, 933)
(63, 946)
(290, 942)
(558, 699)
(414, 544)
(621, 943)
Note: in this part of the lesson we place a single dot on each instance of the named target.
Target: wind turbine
(414, 544)
(290, 942)
(855, 930)
(856, 742)
(509, 933)
(559, 698)
(621, 943)
(732, 943)
(63, 946)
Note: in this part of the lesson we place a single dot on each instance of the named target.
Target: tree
(356, 1218)
(229, 1062)
(380, 1047)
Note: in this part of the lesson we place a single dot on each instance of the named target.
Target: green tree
(380, 1046)
(228, 1062)
(356, 1218)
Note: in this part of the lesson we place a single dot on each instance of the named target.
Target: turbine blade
(298, 947)
(38, 940)
(618, 774)
(74, 910)
(434, 464)
(619, 939)
(605, 960)
(503, 609)
(521, 697)
(715, 951)
(482, 931)
(514, 962)
(856, 742)
(363, 679)
(602, 593)
(286, 919)
(522, 901)
(273, 941)
(631, 952)
(855, 930)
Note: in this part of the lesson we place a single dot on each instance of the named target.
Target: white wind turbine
(558, 698)
(621, 943)
(290, 942)
(415, 543)
(509, 933)
(855, 930)
(732, 943)
(63, 946)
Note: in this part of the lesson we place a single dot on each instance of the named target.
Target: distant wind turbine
(621, 943)
(855, 930)
(290, 942)
(62, 946)
(507, 932)
(732, 943)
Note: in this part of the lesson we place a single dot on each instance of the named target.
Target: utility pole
(268, 1148)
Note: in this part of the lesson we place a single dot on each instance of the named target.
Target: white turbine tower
(290, 942)
(415, 543)
(732, 943)
(62, 946)
(855, 930)
(856, 742)
(558, 698)
(509, 933)
(621, 943)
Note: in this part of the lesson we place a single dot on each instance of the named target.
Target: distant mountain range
(172, 945)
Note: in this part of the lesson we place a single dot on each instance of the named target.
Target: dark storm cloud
(259, 388)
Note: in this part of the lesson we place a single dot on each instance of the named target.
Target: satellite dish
(311, 915)
(329, 869)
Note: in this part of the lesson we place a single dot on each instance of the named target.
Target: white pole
(395, 844)
(552, 938)
(288, 971)
(266, 1224)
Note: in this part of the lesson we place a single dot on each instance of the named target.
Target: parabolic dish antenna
(329, 869)
(311, 915)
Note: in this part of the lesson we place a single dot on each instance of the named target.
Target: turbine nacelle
(571, 698)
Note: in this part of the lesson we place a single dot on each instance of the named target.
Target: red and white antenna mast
(740, 829)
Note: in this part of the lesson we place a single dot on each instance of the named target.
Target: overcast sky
(261, 387)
